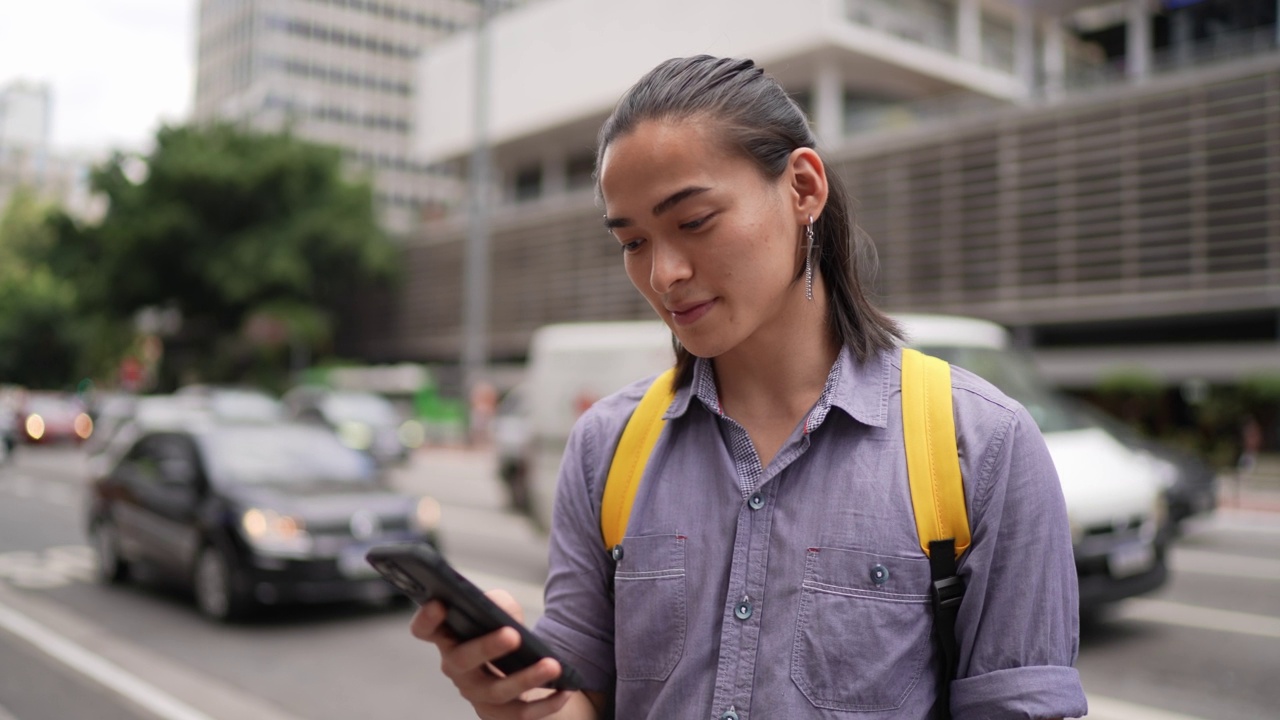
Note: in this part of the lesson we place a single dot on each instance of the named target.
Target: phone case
(420, 572)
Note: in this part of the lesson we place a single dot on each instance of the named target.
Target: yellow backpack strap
(933, 463)
(631, 457)
(937, 496)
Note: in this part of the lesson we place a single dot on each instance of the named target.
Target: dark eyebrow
(675, 199)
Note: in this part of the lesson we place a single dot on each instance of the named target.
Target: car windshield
(53, 407)
(1014, 376)
(283, 455)
(245, 405)
(360, 407)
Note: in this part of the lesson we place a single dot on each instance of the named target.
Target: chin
(702, 347)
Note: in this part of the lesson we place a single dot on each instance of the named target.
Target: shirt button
(744, 610)
(756, 502)
(616, 553)
(729, 715)
(879, 574)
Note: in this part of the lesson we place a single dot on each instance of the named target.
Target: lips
(689, 313)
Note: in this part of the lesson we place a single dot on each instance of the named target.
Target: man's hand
(519, 696)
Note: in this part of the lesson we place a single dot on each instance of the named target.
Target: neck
(781, 370)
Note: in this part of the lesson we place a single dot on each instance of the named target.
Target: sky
(118, 69)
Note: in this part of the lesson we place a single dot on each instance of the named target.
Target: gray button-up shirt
(799, 590)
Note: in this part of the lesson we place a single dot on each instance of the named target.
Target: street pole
(475, 349)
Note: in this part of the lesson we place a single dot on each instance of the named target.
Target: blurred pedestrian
(484, 408)
(1250, 446)
(771, 566)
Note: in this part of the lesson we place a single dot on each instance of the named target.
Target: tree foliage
(225, 225)
(38, 332)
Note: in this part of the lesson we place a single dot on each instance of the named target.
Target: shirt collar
(859, 389)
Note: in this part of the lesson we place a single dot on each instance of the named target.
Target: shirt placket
(743, 606)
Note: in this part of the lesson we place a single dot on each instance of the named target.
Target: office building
(26, 159)
(338, 72)
(1102, 177)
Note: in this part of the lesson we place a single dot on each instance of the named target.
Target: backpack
(933, 467)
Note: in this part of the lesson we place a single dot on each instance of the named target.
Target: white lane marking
(6, 715)
(1203, 618)
(98, 668)
(1105, 708)
(1206, 562)
(48, 568)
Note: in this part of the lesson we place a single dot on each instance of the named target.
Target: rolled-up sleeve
(1018, 627)
(578, 621)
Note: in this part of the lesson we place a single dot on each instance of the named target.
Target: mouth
(690, 313)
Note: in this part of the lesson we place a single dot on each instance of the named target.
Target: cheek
(638, 272)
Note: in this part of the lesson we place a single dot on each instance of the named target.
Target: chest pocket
(863, 633)
(649, 607)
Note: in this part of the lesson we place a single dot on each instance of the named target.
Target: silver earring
(808, 263)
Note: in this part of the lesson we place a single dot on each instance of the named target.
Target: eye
(695, 224)
(632, 246)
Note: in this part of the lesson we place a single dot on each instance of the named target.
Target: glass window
(283, 455)
(527, 183)
(579, 171)
(1014, 375)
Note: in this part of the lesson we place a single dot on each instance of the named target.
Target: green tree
(38, 329)
(255, 239)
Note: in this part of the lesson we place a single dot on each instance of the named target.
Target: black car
(251, 514)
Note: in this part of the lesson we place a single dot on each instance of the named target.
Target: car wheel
(112, 569)
(214, 586)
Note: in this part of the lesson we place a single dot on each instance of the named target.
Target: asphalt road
(1205, 647)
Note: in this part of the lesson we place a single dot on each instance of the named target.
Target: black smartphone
(420, 572)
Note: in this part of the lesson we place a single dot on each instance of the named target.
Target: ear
(808, 180)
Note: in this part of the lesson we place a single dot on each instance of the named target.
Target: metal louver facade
(1162, 200)
(1158, 200)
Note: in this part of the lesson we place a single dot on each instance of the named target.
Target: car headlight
(35, 426)
(356, 435)
(412, 434)
(426, 515)
(84, 426)
(271, 533)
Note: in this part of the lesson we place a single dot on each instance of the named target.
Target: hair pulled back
(757, 118)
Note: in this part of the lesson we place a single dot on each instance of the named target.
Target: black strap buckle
(947, 593)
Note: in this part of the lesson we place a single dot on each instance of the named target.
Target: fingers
(504, 600)
(468, 665)
(521, 695)
(428, 624)
(533, 710)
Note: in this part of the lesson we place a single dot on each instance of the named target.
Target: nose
(670, 266)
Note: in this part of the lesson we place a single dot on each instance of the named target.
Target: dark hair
(760, 121)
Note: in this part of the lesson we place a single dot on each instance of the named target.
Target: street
(1207, 646)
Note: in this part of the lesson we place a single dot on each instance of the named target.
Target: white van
(1113, 497)
(571, 366)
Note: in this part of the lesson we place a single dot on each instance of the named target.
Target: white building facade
(27, 160)
(557, 67)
